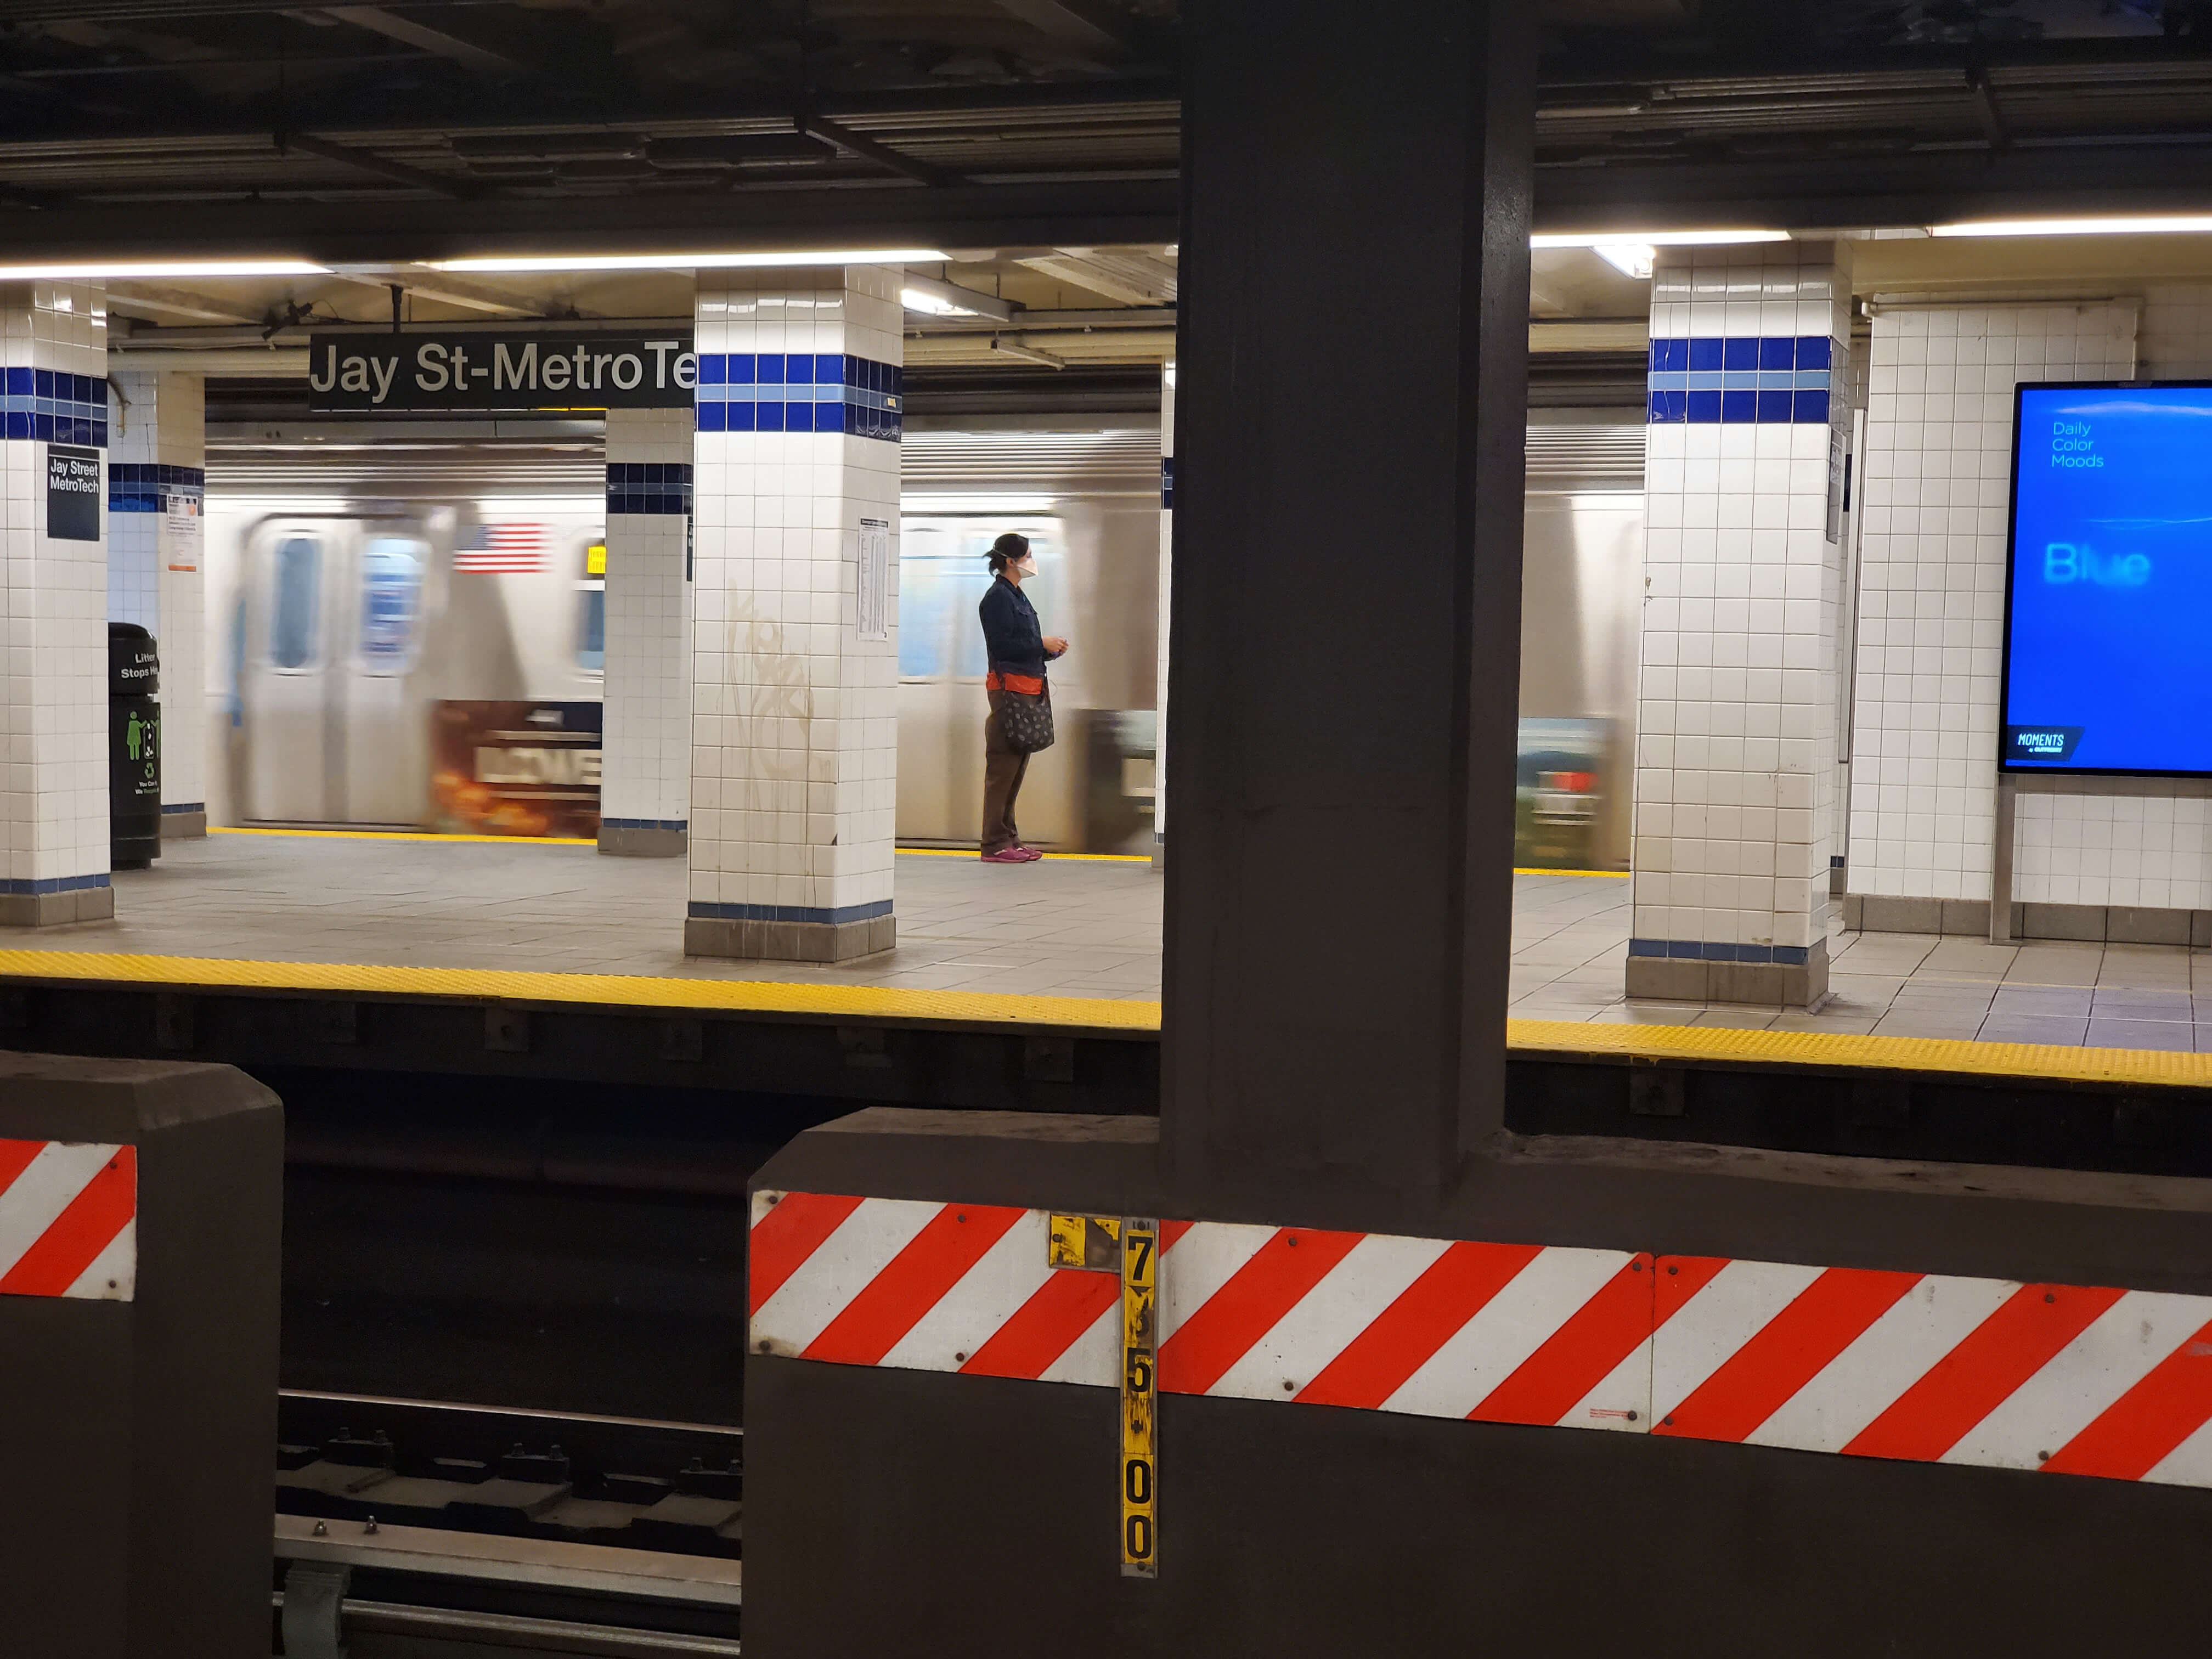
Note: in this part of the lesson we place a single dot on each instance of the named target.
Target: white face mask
(1026, 566)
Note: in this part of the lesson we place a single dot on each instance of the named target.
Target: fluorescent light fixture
(846, 256)
(123, 271)
(929, 305)
(2147, 225)
(1629, 258)
(1604, 239)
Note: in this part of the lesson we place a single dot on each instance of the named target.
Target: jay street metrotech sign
(426, 372)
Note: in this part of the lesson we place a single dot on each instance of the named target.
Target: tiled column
(156, 506)
(1735, 794)
(53, 598)
(1167, 569)
(794, 730)
(645, 784)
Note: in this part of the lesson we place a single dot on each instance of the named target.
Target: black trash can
(134, 748)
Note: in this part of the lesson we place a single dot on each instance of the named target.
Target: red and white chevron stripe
(69, 1220)
(1916, 1366)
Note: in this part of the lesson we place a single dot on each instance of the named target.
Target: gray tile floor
(1064, 927)
(1570, 939)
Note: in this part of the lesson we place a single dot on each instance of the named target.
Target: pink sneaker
(1029, 854)
(1006, 855)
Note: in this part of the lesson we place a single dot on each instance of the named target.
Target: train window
(296, 619)
(591, 612)
(391, 600)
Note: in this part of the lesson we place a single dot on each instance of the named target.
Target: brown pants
(1003, 771)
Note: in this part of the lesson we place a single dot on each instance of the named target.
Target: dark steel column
(1346, 610)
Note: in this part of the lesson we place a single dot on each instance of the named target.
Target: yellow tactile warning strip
(2020, 1060)
(1610, 875)
(2045, 1061)
(622, 990)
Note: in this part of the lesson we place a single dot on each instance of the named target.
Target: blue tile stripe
(662, 487)
(800, 391)
(1690, 950)
(1740, 379)
(680, 825)
(1167, 484)
(789, 912)
(55, 409)
(148, 487)
(183, 806)
(54, 884)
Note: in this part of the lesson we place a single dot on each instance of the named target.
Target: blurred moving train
(365, 584)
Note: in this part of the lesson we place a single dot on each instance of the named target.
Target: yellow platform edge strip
(586, 841)
(2042, 1061)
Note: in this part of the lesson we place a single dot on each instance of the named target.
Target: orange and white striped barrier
(1922, 1367)
(69, 1220)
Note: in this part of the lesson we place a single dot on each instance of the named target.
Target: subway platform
(1073, 940)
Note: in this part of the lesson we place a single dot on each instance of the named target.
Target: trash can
(134, 748)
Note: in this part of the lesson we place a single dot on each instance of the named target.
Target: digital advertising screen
(2108, 601)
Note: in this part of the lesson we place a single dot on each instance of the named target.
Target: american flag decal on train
(515, 549)
(1854, 1361)
(69, 1220)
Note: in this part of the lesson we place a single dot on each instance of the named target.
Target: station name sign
(430, 373)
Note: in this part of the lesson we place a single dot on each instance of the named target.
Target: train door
(332, 708)
(385, 751)
(295, 597)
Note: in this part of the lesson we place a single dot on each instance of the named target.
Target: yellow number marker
(1139, 1398)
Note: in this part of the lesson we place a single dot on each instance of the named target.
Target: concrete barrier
(899, 1496)
(140, 1228)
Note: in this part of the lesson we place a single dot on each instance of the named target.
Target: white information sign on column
(180, 533)
(874, 617)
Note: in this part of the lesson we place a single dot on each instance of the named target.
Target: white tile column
(53, 603)
(1735, 776)
(645, 785)
(156, 507)
(1167, 569)
(795, 729)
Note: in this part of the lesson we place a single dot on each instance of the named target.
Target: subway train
(410, 630)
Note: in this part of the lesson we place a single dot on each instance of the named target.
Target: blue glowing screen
(2108, 642)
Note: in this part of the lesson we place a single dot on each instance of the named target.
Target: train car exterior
(409, 631)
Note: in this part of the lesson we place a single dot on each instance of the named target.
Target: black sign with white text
(420, 373)
(73, 492)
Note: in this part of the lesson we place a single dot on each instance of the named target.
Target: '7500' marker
(1139, 1398)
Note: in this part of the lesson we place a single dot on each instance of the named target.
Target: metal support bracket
(314, 1602)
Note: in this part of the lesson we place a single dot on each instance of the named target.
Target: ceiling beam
(1136, 279)
(859, 144)
(1071, 22)
(365, 161)
(377, 21)
(156, 304)
(446, 289)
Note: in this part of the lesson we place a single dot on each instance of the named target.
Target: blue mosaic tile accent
(54, 883)
(789, 912)
(1741, 381)
(662, 487)
(800, 391)
(1167, 484)
(55, 409)
(680, 824)
(147, 487)
(1790, 955)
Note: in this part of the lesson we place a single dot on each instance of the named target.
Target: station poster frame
(2008, 769)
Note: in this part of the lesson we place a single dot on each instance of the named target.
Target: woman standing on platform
(1020, 720)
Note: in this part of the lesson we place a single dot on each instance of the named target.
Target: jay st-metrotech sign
(430, 371)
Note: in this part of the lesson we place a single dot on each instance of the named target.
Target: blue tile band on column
(53, 884)
(800, 391)
(53, 407)
(1741, 380)
(789, 912)
(183, 806)
(145, 487)
(1167, 484)
(1790, 955)
(680, 825)
(661, 487)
